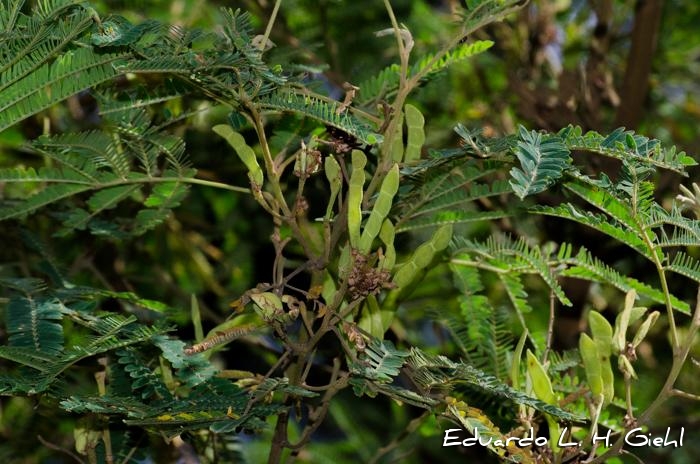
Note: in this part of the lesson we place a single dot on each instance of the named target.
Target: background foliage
(105, 276)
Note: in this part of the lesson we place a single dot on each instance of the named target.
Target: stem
(270, 23)
(410, 428)
(664, 288)
(550, 327)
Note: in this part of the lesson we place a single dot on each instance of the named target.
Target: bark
(635, 86)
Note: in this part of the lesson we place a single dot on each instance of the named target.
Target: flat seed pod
(541, 384)
(355, 192)
(385, 199)
(415, 123)
(243, 150)
(591, 363)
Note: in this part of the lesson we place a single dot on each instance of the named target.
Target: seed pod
(515, 366)
(373, 320)
(344, 261)
(608, 378)
(385, 199)
(541, 384)
(397, 141)
(357, 182)
(335, 179)
(625, 366)
(268, 303)
(622, 321)
(387, 234)
(243, 150)
(423, 256)
(416, 135)
(602, 332)
(591, 363)
(644, 328)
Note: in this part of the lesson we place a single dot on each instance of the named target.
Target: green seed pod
(541, 384)
(591, 363)
(335, 179)
(625, 366)
(268, 303)
(329, 289)
(423, 256)
(243, 150)
(622, 322)
(397, 141)
(371, 318)
(357, 182)
(385, 199)
(515, 366)
(416, 135)
(644, 328)
(387, 234)
(602, 332)
(608, 378)
(344, 261)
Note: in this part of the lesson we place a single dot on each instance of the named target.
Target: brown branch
(54, 447)
(635, 86)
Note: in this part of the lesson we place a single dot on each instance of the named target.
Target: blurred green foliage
(553, 63)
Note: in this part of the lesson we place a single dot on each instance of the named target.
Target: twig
(270, 23)
(550, 326)
(408, 430)
(50, 445)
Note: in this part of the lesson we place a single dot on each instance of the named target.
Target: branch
(635, 86)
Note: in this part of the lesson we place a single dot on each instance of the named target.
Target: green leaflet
(69, 74)
(623, 145)
(34, 322)
(323, 111)
(543, 160)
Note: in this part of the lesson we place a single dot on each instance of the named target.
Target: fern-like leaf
(431, 371)
(34, 322)
(326, 112)
(381, 362)
(585, 266)
(623, 145)
(543, 160)
(72, 72)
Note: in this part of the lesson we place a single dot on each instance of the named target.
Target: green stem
(664, 287)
